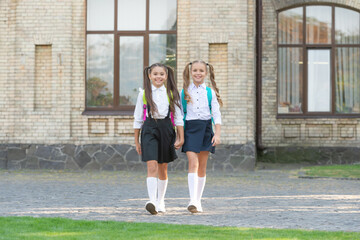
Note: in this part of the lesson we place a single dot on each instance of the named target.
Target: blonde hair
(186, 77)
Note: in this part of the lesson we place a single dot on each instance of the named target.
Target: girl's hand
(178, 143)
(138, 148)
(215, 140)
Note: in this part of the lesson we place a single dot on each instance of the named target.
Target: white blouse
(160, 98)
(198, 107)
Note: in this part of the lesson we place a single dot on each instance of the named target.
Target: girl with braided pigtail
(201, 106)
(155, 107)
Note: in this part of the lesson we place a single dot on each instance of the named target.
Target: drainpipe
(259, 39)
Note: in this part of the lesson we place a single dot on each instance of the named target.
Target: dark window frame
(305, 47)
(118, 109)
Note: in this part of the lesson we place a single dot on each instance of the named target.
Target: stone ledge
(115, 157)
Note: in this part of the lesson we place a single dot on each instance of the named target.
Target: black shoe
(192, 208)
(151, 208)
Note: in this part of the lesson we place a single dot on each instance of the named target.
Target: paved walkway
(264, 198)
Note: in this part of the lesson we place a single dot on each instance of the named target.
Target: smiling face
(198, 73)
(158, 76)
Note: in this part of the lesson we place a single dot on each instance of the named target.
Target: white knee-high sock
(201, 186)
(162, 186)
(151, 183)
(193, 185)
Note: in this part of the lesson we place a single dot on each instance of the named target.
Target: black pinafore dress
(157, 139)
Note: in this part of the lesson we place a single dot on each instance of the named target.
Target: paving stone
(32, 163)
(101, 157)
(109, 150)
(54, 165)
(69, 149)
(3, 154)
(3, 164)
(92, 148)
(16, 154)
(262, 199)
(82, 159)
(43, 152)
(71, 164)
(93, 165)
(133, 156)
(122, 148)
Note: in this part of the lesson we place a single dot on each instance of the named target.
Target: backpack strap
(209, 97)
(144, 106)
(184, 104)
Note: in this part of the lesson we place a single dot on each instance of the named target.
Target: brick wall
(42, 63)
(3, 66)
(43, 78)
(207, 27)
(321, 132)
(218, 57)
(36, 108)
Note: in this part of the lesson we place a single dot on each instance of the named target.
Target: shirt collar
(192, 85)
(153, 88)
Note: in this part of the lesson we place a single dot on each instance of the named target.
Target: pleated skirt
(198, 136)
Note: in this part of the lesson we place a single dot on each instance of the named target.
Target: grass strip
(60, 228)
(334, 171)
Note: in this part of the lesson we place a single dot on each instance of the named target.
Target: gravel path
(264, 198)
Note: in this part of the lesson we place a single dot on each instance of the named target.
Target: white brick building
(69, 71)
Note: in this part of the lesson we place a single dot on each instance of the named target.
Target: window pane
(100, 15)
(131, 68)
(319, 81)
(99, 70)
(291, 26)
(290, 80)
(347, 79)
(318, 24)
(347, 30)
(162, 14)
(131, 14)
(163, 49)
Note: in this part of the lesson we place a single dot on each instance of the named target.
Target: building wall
(36, 85)
(319, 132)
(3, 67)
(42, 63)
(208, 28)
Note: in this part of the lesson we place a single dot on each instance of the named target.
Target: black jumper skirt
(157, 140)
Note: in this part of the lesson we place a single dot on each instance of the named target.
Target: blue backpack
(184, 102)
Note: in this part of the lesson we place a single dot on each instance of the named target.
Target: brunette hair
(186, 77)
(171, 88)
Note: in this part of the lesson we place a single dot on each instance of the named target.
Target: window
(122, 38)
(319, 61)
